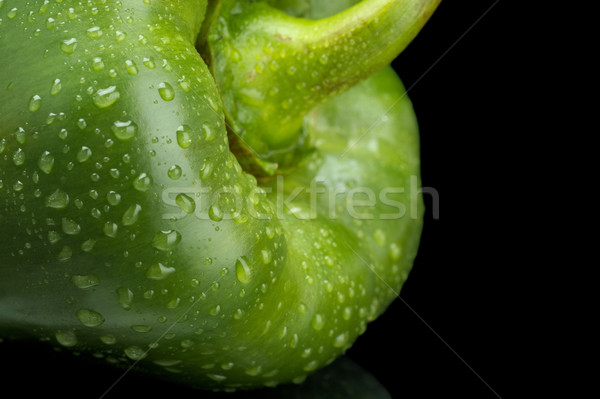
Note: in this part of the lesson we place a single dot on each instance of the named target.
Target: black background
(460, 282)
(459, 75)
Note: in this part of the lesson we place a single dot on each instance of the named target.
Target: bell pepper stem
(273, 68)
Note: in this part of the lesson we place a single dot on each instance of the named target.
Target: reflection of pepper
(129, 229)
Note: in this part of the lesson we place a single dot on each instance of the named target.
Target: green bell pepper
(227, 222)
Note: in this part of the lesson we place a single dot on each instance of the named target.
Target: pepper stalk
(273, 68)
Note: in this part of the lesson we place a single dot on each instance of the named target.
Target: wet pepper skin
(130, 232)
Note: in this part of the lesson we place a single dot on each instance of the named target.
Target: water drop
(20, 135)
(209, 134)
(294, 341)
(109, 143)
(63, 134)
(318, 322)
(12, 13)
(110, 229)
(395, 251)
(113, 198)
(84, 154)
(85, 281)
(306, 353)
(148, 294)
(66, 338)
(166, 92)
(341, 340)
(165, 64)
(134, 352)
(19, 157)
(174, 172)
(57, 200)
(132, 69)
(124, 130)
(243, 270)
(68, 46)
(94, 32)
(142, 182)
(238, 314)
(213, 103)
(90, 318)
(46, 162)
(149, 63)
(166, 240)
(379, 236)
(106, 97)
(184, 84)
(35, 103)
(50, 23)
(184, 136)
(215, 310)
(131, 215)
(70, 226)
(173, 303)
(88, 245)
(311, 366)
(206, 170)
(166, 362)
(215, 213)
(266, 256)
(347, 313)
(254, 371)
(56, 87)
(141, 328)
(65, 253)
(97, 64)
(120, 36)
(186, 203)
(108, 339)
(53, 237)
(158, 271)
(283, 332)
(216, 377)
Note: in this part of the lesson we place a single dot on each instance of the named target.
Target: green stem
(272, 68)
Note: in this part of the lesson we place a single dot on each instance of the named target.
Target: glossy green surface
(130, 232)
